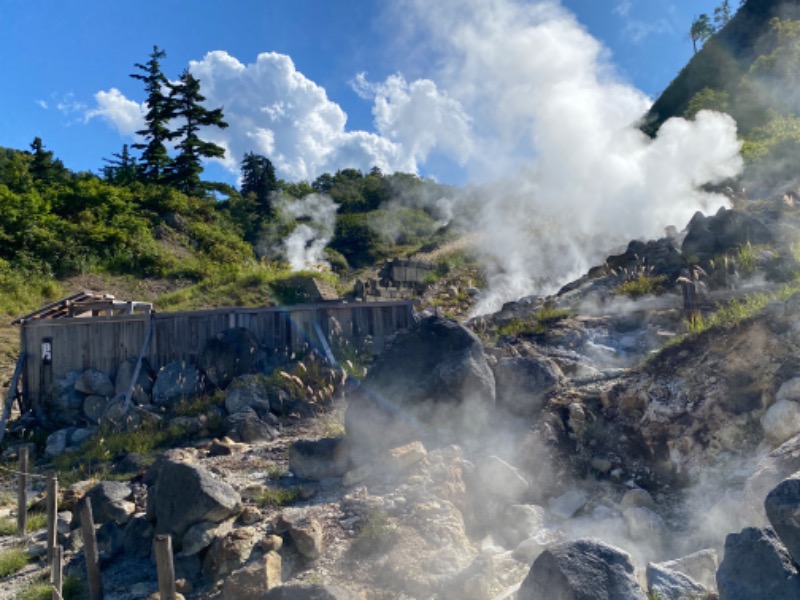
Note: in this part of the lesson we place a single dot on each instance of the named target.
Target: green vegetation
(12, 561)
(376, 535)
(34, 522)
(273, 497)
(537, 325)
(641, 286)
(72, 589)
(105, 446)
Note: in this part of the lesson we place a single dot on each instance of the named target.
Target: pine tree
(187, 101)
(155, 159)
(258, 181)
(701, 30)
(44, 168)
(121, 168)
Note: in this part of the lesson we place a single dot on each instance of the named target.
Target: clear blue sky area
(57, 55)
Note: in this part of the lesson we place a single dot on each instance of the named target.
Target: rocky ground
(606, 433)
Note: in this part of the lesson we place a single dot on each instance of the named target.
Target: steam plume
(553, 122)
(304, 246)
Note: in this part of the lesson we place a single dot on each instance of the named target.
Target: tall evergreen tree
(258, 181)
(44, 168)
(155, 159)
(122, 168)
(186, 101)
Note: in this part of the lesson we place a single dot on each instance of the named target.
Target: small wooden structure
(60, 338)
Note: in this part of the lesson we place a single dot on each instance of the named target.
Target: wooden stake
(57, 572)
(94, 579)
(52, 514)
(166, 568)
(22, 495)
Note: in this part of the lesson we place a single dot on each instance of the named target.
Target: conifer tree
(155, 159)
(44, 168)
(186, 101)
(121, 168)
(258, 181)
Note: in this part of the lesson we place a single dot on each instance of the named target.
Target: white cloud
(42, 104)
(418, 116)
(113, 107)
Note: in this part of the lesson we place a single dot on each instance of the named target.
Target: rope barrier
(14, 471)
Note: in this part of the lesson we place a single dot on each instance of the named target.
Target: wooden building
(96, 331)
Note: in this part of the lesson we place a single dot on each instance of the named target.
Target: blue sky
(418, 105)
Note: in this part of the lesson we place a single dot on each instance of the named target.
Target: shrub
(12, 561)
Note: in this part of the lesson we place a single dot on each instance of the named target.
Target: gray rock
(312, 591)
(789, 390)
(109, 540)
(757, 566)
(94, 407)
(65, 403)
(419, 386)
(246, 426)
(137, 539)
(781, 421)
(524, 382)
(701, 566)
(57, 442)
(637, 497)
(783, 511)
(228, 354)
(585, 569)
(671, 585)
(644, 524)
(110, 502)
(305, 532)
(144, 382)
(521, 522)
(770, 471)
(318, 459)
(228, 553)
(494, 476)
(187, 494)
(247, 391)
(249, 582)
(568, 503)
(175, 382)
(79, 436)
(95, 383)
(198, 537)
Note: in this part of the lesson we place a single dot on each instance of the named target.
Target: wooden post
(22, 495)
(165, 568)
(57, 572)
(90, 552)
(52, 514)
(12, 392)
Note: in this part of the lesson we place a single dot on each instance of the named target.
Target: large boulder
(228, 354)
(143, 387)
(318, 459)
(524, 382)
(246, 426)
(186, 494)
(757, 566)
(769, 472)
(419, 386)
(176, 381)
(726, 231)
(585, 569)
(229, 552)
(248, 391)
(250, 582)
(65, 402)
(666, 584)
(111, 501)
(783, 511)
(95, 383)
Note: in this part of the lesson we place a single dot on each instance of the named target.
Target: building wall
(102, 343)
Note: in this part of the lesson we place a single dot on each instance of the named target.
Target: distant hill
(724, 60)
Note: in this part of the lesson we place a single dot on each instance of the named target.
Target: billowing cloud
(113, 107)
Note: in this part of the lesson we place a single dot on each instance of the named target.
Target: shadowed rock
(757, 567)
(783, 511)
(584, 569)
(228, 354)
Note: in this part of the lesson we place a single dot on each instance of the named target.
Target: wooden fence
(53, 347)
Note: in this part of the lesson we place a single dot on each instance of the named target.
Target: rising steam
(553, 127)
(304, 247)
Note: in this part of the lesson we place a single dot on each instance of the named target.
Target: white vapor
(551, 116)
(304, 247)
(113, 107)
